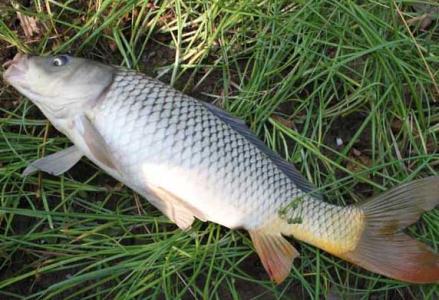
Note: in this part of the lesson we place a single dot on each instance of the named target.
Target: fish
(192, 160)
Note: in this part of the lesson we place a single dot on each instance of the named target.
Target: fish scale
(167, 128)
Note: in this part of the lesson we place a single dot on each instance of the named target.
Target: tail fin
(383, 247)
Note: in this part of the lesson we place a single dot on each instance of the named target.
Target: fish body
(165, 139)
(192, 160)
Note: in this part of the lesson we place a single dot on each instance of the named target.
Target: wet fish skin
(190, 159)
(157, 133)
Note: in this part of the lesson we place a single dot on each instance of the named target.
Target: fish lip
(16, 69)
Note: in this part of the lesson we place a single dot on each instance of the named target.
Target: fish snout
(16, 69)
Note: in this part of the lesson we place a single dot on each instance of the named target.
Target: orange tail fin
(383, 247)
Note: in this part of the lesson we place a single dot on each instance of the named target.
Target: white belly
(192, 188)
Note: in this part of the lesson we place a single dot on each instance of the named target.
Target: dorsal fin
(288, 169)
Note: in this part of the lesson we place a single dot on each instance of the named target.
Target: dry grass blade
(29, 25)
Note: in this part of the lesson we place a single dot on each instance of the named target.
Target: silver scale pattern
(145, 120)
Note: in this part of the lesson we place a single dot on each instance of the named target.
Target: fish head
(58, 81)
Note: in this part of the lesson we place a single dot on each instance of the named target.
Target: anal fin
(275, 252)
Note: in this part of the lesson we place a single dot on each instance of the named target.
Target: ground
(345, 90)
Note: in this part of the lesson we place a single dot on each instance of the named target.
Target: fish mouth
(17, 68)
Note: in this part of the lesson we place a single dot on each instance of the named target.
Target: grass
(300, 74)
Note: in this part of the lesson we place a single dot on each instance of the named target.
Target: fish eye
(60, 60)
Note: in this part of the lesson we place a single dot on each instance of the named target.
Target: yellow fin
(275, 252)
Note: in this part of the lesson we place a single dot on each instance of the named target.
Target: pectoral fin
(176, 209)
(95, 142)
(275, 252)
(55, 164)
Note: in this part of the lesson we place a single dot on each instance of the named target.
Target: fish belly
(191, 188)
